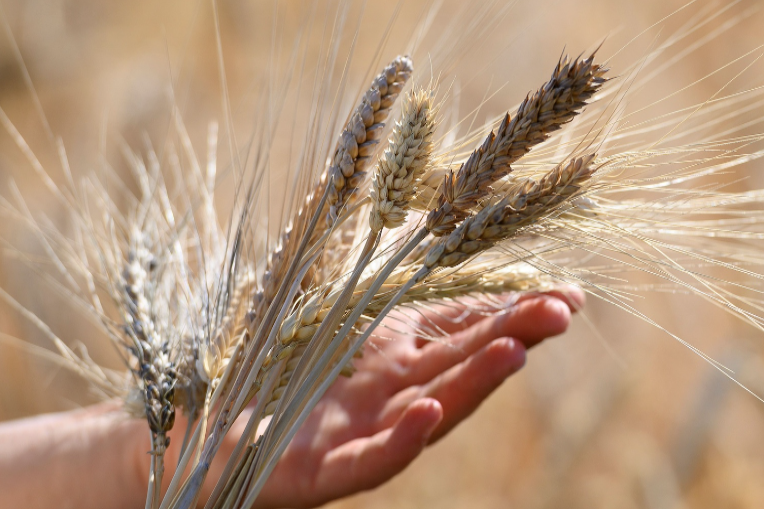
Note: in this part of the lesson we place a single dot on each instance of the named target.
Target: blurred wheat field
(613, 414)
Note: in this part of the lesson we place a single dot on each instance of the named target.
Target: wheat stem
(263, 397)
(324, 385)
(235, 402)
(285, 431)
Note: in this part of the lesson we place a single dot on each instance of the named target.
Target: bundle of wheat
(206, 329)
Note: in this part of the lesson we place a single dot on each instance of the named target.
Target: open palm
(406, 395)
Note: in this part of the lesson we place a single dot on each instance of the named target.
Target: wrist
(85, 458)
(110, 456)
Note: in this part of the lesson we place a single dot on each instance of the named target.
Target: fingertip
(573, 297)
(557, 315)
(534, 320)
(463, 388)
(509, 355)
(367, 462)
(397, 447)
(421, 418)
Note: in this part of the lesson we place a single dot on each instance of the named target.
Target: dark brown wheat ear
(556, 103)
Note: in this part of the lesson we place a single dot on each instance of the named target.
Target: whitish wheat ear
(155, 368)
(401, 167)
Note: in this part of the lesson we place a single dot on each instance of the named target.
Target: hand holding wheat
(408, 395)
(241, 339)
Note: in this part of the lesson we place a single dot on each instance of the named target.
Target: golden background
(613, 414)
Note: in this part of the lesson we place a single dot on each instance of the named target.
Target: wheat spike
(553, 105)
(355, 148)
(215, 356)
(401, 167)
(474, 279)
(527, 201)
(155, 369)
(358, 141)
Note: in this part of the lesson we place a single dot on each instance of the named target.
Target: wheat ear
(355, 147)
(358, 141)
(524, 203)
(470, 280)
(401, 167)
(155, 368)
(215, 356)
(554, 104)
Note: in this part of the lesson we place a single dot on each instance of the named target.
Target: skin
(406, 395)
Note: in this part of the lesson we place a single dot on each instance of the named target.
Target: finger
(365, 463)
(571, 295)
(530, 322)
(457, 316)
(461, 389)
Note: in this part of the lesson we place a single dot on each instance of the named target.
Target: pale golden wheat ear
(563, 189)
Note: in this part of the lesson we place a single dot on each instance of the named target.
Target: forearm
(85, 458)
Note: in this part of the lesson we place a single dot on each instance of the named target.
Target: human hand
(365, 430)
(405, 395)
